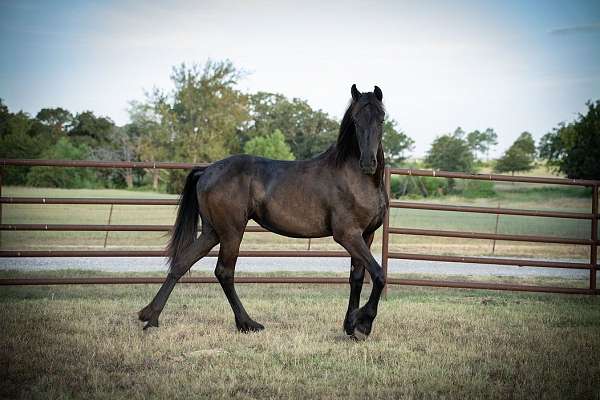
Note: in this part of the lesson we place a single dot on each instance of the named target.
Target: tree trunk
(155, 179)
(129, 178)
(422, 187)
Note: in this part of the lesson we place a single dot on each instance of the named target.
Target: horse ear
(378, 93)
(355, 92)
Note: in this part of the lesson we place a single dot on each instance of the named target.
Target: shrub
(63, 177)
(418, 186)
(474, 189)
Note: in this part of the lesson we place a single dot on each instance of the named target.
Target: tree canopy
(574, 148)
(519, 157)
(308, 132)
(271, 146)
(451, 152)
(482, 142)
(396, 143)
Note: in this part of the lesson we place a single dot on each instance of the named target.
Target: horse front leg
(360, 321)
(357, 276)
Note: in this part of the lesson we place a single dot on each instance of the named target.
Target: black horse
(339, 193)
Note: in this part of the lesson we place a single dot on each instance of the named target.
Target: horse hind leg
(225, 271)
(200, 248)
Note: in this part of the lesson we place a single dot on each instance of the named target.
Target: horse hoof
(153, 323)
(250, 326)
(359, 336)
(350, 322)
(149, 316)
(145, 314)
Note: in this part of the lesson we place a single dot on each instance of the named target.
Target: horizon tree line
(204, 118)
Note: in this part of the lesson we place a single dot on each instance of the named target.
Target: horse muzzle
(368, 166)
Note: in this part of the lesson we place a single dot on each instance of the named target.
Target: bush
(418, 186)
(176, 180)
(63, 177)
(436, 186)
(474, 189)
(269, 146)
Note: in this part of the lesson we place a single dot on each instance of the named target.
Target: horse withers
(339, 193)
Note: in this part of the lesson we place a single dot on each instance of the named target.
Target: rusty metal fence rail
(591, 242)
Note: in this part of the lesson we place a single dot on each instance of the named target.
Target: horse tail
(186, 225)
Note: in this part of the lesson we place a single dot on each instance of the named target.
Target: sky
(510, 65)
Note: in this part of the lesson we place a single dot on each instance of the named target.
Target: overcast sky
(509, 65)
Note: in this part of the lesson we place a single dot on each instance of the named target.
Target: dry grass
(84, 342)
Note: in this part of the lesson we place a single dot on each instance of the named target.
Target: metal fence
(386, 255)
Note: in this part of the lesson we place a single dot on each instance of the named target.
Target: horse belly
(294, 218)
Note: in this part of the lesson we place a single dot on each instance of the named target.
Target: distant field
(84, 342)
(508, 195)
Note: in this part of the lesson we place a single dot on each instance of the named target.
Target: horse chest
(367, 205)
(362, 203)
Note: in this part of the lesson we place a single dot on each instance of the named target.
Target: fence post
(386, 233)
(109, 219)
(1, 174)
(594, 246)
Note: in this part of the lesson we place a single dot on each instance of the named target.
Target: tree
(482, 142)
(519, 156)
(526, 143)
(395, 143)
(122, 145)
(308, 132)
(270, 146)
(574, 149)
(91, 130)
(451, 152)
(58, 119)
(154, 144)
(203, 114)
(16, 142)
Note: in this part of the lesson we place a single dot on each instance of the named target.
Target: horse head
(368, 115)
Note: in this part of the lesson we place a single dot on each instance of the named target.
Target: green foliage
(414, 186)
(308, 132)
(526, 143)
(269, 146)
(520, 156)
(57, 119)
(477, 189)
(395, 143)
(90, 130)
(16, 142)
(63, 177)
(574, 149)
(451, 152)
(482, 142)
(200, 118)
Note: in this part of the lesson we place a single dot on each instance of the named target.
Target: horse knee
(379, 280)
(357, 274)
(223, 274)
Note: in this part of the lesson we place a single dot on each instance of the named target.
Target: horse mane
(346, 144)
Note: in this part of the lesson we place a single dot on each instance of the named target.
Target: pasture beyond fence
(386, 254)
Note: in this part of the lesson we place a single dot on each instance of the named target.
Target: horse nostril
(373, 162)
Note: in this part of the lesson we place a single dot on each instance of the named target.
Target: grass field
(508, 195)
(84, 342)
